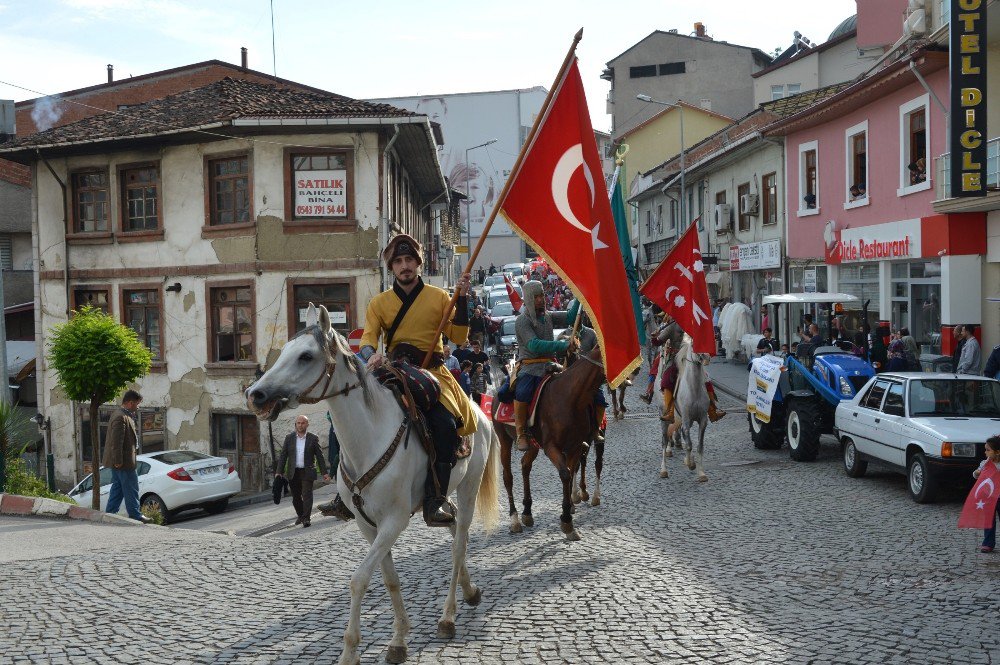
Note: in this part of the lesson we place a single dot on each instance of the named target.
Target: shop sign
(755, 255)
(809, 280)
(321, 193)
(968, 95)
(881, 242)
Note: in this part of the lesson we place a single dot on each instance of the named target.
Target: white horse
(690, 406)
(318, 364)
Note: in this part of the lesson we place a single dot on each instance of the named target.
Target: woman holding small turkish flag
(980, 510)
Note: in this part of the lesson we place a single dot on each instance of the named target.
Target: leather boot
(668, 406)
(438, 511)
(336, 508)
(600, 418)
(714, 413)
(520, 421)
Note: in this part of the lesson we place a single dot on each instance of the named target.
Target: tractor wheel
(802, 429)
(765, 436)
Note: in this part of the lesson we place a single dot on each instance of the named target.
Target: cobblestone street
(770, 561)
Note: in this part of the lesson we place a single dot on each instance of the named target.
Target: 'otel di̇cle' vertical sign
(968, 98)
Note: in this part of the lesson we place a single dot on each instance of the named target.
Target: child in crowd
(480, 380)
(992, 457)
(464, 378)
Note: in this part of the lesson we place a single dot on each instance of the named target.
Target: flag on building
(515, 298)
(982, 500)
(558, 204)
(678, 286)
(625, 244)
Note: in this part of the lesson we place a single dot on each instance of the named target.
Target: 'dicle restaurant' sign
(968, 98)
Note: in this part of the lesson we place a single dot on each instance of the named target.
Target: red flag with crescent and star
(678, 286)
(982, 500)
(515, 299)
(558, 203)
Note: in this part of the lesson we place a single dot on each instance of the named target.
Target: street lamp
(650, 100)
(468, 208)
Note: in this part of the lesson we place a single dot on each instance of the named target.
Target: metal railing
(943, 163)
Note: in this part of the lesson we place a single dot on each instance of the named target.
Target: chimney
(699, 30)
(111, 73)
(243, 57)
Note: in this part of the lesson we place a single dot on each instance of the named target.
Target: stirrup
(667, 417)
(438, 514)
(523, 442)
(719, 414)
(336, 508)
(600, 435)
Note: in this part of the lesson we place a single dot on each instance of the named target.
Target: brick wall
(17, 174)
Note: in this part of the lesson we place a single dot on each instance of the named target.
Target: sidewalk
(12, 504)
(730, 377)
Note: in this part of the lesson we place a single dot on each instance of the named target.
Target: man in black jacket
(957, 353)
(297, 463)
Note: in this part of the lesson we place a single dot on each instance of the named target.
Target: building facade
(209, 233)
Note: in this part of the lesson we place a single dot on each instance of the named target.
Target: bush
(153, 513)
(23, 482)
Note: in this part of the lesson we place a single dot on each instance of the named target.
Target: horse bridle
(328, 369)
(591, 361)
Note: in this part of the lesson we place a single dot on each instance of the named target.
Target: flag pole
(503, 193)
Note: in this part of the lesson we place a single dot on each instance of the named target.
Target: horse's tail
(488, 498)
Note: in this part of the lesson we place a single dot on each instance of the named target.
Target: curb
(729, 391)
(27, 506)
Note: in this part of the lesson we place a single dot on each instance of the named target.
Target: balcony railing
(943, 163)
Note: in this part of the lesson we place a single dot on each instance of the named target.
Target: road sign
(461, 249)
(354, 339)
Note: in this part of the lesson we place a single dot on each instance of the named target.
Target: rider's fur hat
(402, 245)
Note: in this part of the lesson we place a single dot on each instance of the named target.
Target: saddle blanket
(464, 448)
(504, 412)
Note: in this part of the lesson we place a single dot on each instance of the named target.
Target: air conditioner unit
(915, 21)
(721, 217)
(749, 204)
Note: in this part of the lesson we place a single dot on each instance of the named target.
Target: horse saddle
(505, 411)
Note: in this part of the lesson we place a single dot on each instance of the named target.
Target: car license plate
(208, 471)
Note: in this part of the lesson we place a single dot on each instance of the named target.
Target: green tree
(96, 358)
(15, 436)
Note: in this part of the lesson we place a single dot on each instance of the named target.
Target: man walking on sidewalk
(120, 446)
(299, 456)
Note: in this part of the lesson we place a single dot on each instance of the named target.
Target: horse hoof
(573, 536)
(446, 630)
(664, 474)
(396, 654)
(476, 598)
(668, 453)
(585, 495)
(691, 465)
(596, 501)
(702, 479)
(516, 528)
(576, 497)
(528, 520)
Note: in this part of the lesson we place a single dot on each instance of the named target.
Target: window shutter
(6, 253)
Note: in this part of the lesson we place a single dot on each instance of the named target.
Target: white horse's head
(687, 352)
(312, 365)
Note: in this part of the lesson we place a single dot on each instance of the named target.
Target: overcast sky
(374, 48)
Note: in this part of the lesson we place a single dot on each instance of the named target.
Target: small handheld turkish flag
(982, 500)
(515, 300)
(678, 286)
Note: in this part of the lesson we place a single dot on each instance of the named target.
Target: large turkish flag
(558, 202)
(678, 287)
(982, 500)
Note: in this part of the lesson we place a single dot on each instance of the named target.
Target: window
(234, 434)
(90, 202)
(141, 312)
(6, 252)
(913, 146)
(232, 323)
(873, 400)
(319, 188)
(335, 296)
(228, 191)
(792, 89)
(741, 191)
(672, 68)
(808, 179)
(894, 400)
(856, 182)
(86, 446)
(770, 187)
(672, 224)
(140, 186)
(785, 90)
(642, 71)
(649, 222)
(95, 297)
(777, 92)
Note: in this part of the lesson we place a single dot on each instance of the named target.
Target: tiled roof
(795, 103)
(218, 102)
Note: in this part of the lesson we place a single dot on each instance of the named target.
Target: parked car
(496, 296)
(931, 426)
(516, 272)
(173, 480)
(506, 346)
(501, 311)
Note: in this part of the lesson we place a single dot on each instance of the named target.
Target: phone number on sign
(321, 210)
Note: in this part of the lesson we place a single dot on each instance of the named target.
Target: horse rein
(591, 361)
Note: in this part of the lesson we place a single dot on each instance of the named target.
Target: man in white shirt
(450, 361)
(971, 360)
(297, 462)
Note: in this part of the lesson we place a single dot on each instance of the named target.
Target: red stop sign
(354, 339)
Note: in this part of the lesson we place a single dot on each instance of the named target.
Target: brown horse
(564, 422)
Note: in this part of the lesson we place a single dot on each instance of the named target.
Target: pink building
(860, 198)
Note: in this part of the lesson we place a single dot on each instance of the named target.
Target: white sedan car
(930, 426)
(172, 480)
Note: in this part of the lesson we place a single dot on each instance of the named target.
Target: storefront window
(916, 302)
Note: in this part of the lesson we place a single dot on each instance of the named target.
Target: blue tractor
(811, 385)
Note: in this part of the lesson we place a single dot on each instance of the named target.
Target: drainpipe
(937, 100)
(37, 286)
(383, 228)
(785, 273)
